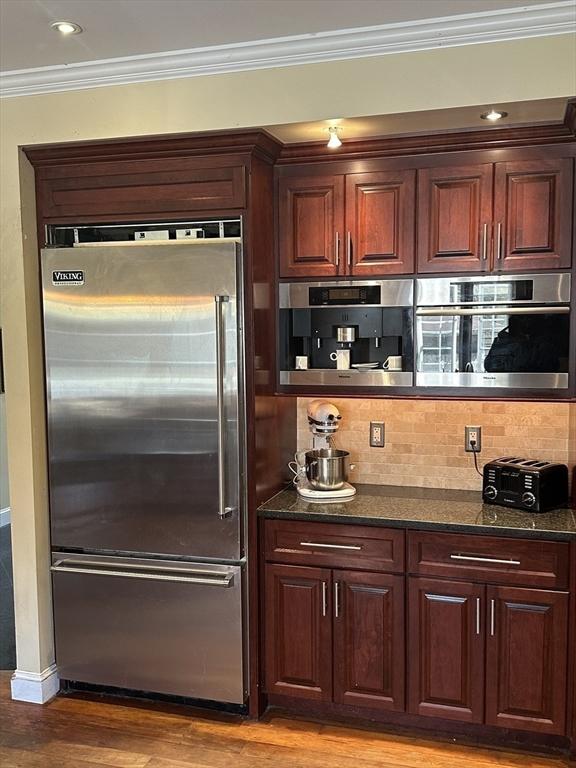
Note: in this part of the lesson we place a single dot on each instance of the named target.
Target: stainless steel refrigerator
(144, 372)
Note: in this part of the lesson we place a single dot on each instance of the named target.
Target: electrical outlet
(473, 439)
(377, 434)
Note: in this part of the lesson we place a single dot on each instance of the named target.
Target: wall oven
(347, 333)
(493, 331)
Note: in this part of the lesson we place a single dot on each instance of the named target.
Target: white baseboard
(35, 687)
(4, 516)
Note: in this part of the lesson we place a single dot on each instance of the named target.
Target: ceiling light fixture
(334, 140)
(493, 115)
(66, 27)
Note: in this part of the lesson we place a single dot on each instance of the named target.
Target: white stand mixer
(320, 474)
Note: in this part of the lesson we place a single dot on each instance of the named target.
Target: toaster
(527, 484)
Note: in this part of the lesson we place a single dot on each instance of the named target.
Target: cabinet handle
(337, 249)
(324, 598)
(477, 559)
(484, 242)
(349, 247)
(478, 624)
(336, 599)
(498, 241)
(328, 546)
(492, 618)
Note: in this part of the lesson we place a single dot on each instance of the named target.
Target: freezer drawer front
(138, 399)
(170, 631)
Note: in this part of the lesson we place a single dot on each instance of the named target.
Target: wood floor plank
(84, 732)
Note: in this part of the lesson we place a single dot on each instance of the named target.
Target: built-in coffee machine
(347, 333)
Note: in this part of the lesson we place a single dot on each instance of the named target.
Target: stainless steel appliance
(528, 484)
(493, 331)
(326, 468)
(144, 374)
(370, 319)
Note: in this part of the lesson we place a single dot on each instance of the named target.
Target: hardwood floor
(80, 733)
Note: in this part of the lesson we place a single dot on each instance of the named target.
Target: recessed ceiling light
(334, 140)
(493, 115)
(66, 27)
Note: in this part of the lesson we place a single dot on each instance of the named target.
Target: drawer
(330, 545)
(518, 562)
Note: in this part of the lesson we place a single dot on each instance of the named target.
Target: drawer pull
(476, 559)
(492, 618)
(329, 546)
(336, 599)
(324, 598)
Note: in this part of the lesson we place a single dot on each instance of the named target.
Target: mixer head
(323, 417)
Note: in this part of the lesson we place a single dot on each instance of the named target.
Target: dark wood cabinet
(533, 214)
(353, 225)
(446, 649)
(380, 236)
(369, 640)
(298, 632)
(454, 218)
(311, 226)
(526, 659)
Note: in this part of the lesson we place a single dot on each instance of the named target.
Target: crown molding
(547, 19)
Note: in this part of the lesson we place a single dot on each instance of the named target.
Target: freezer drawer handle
(224, 580)
(220, 300)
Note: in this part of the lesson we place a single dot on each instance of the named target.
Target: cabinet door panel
(454, 214)
(526, 675)
(446, 649)
(298, 632)
(380, 222)
(369, 640)
(533, 214)
(311, 211)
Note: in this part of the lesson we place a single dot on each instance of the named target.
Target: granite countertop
(424, 508)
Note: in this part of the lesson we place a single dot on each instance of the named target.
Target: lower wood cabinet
(446, 649)
(335, 636)
(519, 682)
(526, 659)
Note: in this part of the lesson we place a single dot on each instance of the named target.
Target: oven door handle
(501, 310)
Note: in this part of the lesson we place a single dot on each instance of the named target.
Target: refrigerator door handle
(220, 300)
(151, 574)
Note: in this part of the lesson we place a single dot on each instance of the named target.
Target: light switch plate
(377, 434)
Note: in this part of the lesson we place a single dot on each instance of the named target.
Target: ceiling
(119, 28)
(460, 118)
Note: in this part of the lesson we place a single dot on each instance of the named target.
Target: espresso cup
(342, 358)
(301, 362)
(393, 363)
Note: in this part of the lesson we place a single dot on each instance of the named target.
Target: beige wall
(480, 74)
(425, 438)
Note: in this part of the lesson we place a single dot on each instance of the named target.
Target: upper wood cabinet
(311, 225)
(454, 218)
(506, 216)
(533, 214)
(369, 230)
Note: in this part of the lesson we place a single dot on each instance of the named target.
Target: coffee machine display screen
(369, 294)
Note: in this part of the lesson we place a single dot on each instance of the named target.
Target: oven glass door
(494, 346)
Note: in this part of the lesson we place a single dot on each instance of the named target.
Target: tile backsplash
(425, 438)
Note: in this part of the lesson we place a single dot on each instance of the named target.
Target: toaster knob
(490, 492)
(528, 499)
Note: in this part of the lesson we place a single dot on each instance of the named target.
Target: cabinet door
(311, 226)
(298, 642)
(369, 640)
(446, 649)
(533, 214)
(526, 663)
(380, 222)
(454, 217)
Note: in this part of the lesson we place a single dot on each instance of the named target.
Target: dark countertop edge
(423, 525)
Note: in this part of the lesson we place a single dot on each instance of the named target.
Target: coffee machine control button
(528, 499)
(490, 492)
